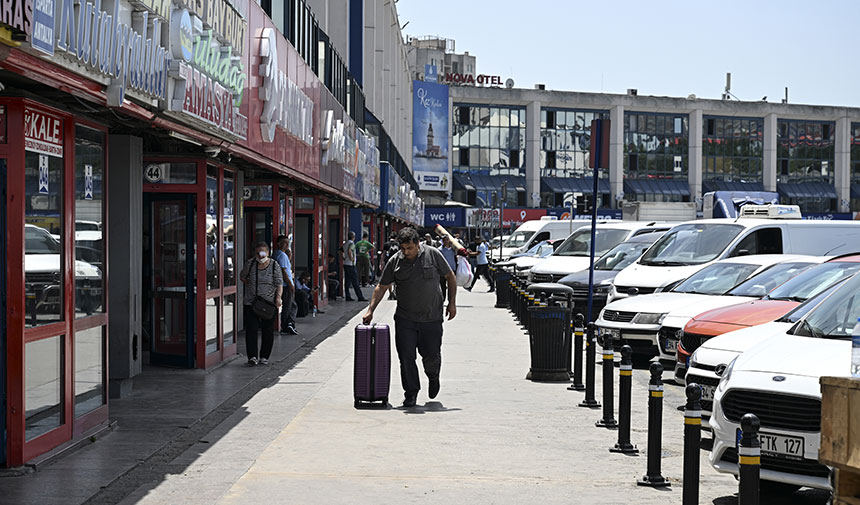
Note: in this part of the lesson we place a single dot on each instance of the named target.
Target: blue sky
(664, 48)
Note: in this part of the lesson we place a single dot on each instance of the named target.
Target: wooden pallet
(840, 436)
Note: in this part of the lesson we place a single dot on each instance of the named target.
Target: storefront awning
(810, 189)
(716, 185)
(855, 191)
(584, 185)
(657, 187)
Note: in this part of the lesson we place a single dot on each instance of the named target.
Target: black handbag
(264, 309)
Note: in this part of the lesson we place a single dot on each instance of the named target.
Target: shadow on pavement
(805, 496)
(427, 407)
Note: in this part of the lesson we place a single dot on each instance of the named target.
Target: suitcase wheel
(385, 402)
(357, 404)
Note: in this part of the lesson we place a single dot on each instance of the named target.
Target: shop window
(89, 219)
(89, 370)
(43, 384)
(212, 280)
(43, 235)
(228, 318)
(170, 173)
(229, 231)
(211, 331)
(258, 192)
(305, 203)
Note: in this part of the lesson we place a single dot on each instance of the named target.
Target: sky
(661, 48)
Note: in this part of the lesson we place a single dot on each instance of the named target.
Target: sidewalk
(168, 411)
(490, 437)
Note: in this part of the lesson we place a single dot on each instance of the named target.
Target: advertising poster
(430, 149)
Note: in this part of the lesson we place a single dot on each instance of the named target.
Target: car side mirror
(758, 290)
(742, 252)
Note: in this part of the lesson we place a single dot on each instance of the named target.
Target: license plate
(779, 445)
(708, 393)
(610, 331)
(671, 346)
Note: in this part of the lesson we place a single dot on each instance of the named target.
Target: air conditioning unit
(772, 211)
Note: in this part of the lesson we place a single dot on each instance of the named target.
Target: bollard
(578, 323)
(589, 402)
(608, 420)
(692, 444)
(749, 461)
(653, 478)
(625, 386)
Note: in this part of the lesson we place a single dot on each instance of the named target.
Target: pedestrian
(266, 284)
(349, 273)
(288, 311)
(482, 264)
(450, 255)
(415, 270)
(362, 251)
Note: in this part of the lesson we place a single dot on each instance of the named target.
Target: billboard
(430, 151)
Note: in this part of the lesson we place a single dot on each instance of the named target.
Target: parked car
(531, 232)
(605, 269)
(774, 305)
(521, 263)
(691, 246)
(778, 381)
(575, 253)
(636, 321)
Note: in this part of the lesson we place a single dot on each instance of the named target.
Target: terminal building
(662, 149)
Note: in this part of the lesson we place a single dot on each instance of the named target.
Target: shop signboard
(43, 133)
(453, 217)
(483, 218)
(430, 152)
(42, 38)
(515, 217)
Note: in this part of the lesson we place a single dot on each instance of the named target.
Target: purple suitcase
(372, 371)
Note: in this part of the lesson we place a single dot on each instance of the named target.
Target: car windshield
(39, 241)
(86, 226)
(519, 239)
(545, 250)
(579, 244)
(811, 281)
(763, 282)
(801, 310)
(691, 244)
(621, 256)
(716, 279)
(836, 316)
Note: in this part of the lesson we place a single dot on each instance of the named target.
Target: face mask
(262, 256)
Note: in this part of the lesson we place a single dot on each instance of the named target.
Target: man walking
(289, 307)
(450, 255)
(415, 271)
(362, 250)
(349, 273)
(483, 266)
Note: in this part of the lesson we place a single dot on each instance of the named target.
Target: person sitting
(303, 294)
(333, 277)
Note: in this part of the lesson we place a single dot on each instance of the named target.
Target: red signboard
(518, 216)
(43, 133)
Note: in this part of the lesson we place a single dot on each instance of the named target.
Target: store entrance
(169, 278)
(258, 228)
(304, 244)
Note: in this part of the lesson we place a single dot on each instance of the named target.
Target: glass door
(258, 228)
(169, 278)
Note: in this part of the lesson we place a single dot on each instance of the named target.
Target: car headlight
(602, 289)
(648, 318)
(693, 362)
(531, 276)
(724, 379)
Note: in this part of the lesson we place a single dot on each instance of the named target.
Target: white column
(533, 153)
(769, 154)
(616, 153)
(694, 141)
(842, 170)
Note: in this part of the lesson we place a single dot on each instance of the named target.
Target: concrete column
(616, 153)
(695, 156)
(125, 241)
(842, 170)
(533, 153)
(769, 154)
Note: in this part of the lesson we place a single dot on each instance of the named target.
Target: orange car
(774, 305)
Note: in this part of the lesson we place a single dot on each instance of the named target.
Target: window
(656, 146)
(732, 149)
(89, 216)
(43, 383)
(764, 241)
(212, 229)
(488, 140)
(89, 370)
(805, 150)
(229, 230)
(565, 142)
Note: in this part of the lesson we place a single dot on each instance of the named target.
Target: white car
(636, 321)
(778, 381)
(523, 262)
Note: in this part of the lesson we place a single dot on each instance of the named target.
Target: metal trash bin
(503, 277)
(550, 334)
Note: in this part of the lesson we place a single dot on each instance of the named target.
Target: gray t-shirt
(419, 295)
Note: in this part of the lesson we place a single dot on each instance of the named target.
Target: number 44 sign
(153, 173)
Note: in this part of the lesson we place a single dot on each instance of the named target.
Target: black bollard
(692, 444)
(589, 402)
(655, 429)
(608, 421)
(625, 385)
(749, 461)
(578, 324)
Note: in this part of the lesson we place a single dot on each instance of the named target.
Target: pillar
(616, 154)
(533, 153)
(694, 141)
(842, 160)
(769, 155)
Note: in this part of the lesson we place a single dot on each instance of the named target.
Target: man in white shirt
(349, 273)
(483, 265)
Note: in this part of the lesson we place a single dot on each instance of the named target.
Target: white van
(531, 232)
(574, 253)
(690, 246)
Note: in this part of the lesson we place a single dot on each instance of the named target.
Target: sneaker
(264, 361)
(251, 362)
(409, 401)
(291, 330)
(468, 289)
(433, 388)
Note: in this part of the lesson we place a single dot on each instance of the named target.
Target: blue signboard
(449, 217)
(430, 151)
(828, 216)
(430, 73)
(42, 37)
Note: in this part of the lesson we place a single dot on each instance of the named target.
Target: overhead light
(184, 138)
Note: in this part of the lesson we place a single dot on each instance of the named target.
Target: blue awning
(810, 189)
(583, 185)
(716, 185)
(855, 191)
(656, 186)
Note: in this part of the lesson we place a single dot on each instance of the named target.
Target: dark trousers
(252, 324)
(443, 283)
(363, 263)
(485, 271)
(351, 279)
(427, 339)
(288, 310)
(303, 303)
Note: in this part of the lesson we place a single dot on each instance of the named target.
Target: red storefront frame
(20, 450)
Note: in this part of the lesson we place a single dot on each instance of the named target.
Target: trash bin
(550, 334)
(503, 285)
